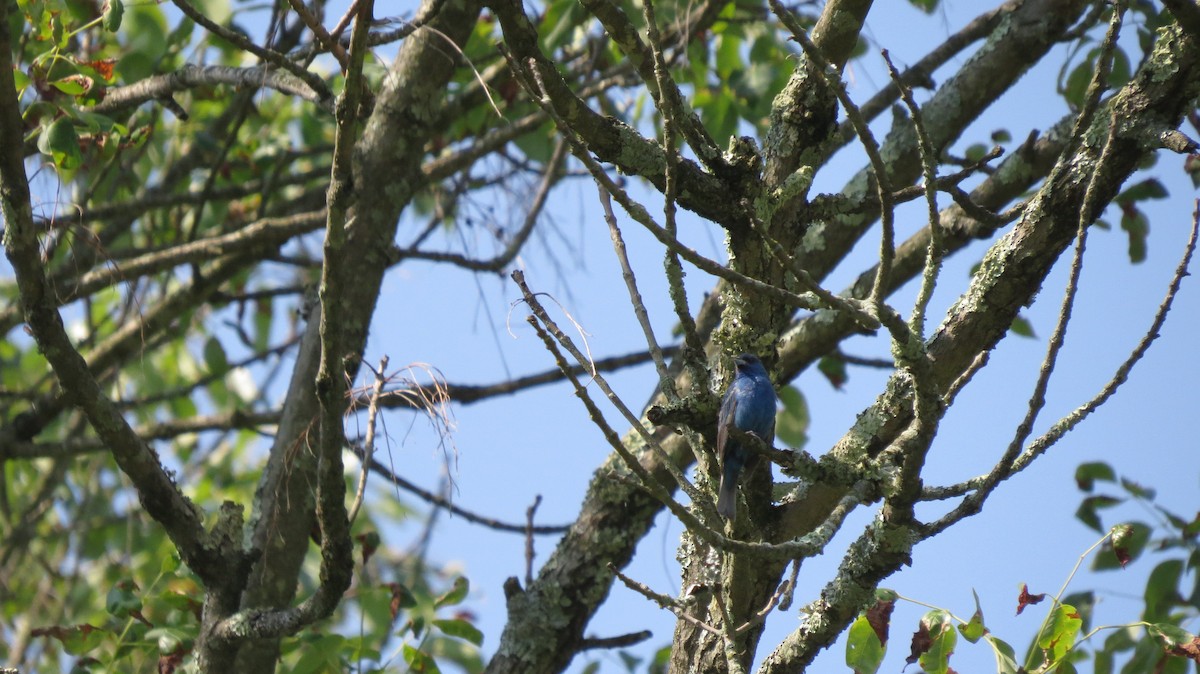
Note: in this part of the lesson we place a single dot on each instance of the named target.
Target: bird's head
(747, 362)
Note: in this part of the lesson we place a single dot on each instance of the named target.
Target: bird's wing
(724, 421)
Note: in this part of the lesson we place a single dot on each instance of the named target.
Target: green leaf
(82, 638)
(1127, 544)
(114, 11)
(263, 316)
(864, 651)
(71, 87)
(455, 594)
(20, 79)
(976, 151)
(1021, 326)
(1135, 224)
(1087, 474)
(660, 662)
(1162, 590)
(791, 422)
(1060, 632)
(214, 357)
(1170, 634)
(834, 369)
(728, 55)
(61, 143)
(169, 639)
(1006, 657)
(321, 654)
(974, 629)
(1137, 490)
(1087, 512)
(123, 599)
(419, 661)
(1077, 83)
(461, 629)
(1149, 188)
(942, 640)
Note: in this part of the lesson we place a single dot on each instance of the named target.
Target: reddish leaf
(1120, 544)
(137, 614)
(401, 598)
(1025, 599)
(879, 617)
(1190, 650)
(370, 543)
(104, 67)
(921, 641)
(167, 664)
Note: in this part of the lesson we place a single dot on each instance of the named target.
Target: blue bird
(749, 405)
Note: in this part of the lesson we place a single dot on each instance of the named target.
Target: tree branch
(191, 76)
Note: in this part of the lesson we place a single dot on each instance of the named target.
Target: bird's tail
(727, 495)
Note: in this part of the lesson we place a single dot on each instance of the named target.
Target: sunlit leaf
(1059, 634)
(419, 661)
(864, 651)
(455, 594)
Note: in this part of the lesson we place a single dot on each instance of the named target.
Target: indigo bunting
(749, 405)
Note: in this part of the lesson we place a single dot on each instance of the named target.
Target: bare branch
(438, 501)
(663, 601)
(157, 87)
(238, 40)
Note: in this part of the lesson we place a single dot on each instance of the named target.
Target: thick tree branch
(1020, 40)
(387, 165)
(1012, 273)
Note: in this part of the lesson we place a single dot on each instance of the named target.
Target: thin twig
(666, 381)
(330, 44)
(663, 601)
(1122, 374)
(657, 490)
(671, 264)
(619, 641)
(368, 447)
(529, 513)
(933, 259)
(433, 499)
(550, 176)
(783, 592)
(467, 393)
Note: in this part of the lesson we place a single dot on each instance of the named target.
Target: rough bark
(387, 173)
